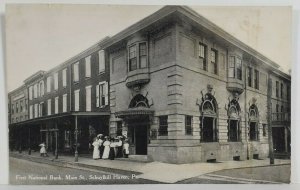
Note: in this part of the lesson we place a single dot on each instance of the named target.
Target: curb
(66, 164)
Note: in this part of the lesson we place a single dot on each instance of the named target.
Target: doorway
(208, 129)
(253, 131)
(139, 134)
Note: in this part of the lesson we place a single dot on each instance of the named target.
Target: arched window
(253, 123)
(209, 115)
(234, 131)
(139, 101)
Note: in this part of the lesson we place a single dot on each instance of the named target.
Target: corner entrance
(139, 134)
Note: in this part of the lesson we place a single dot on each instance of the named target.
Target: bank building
(179, 87)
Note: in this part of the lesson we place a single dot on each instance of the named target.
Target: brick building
(178, 86)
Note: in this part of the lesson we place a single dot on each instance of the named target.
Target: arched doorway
(209, 116)
(253, 123)
(138, 122)
(234, 131)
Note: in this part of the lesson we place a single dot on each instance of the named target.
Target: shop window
(188, 125)
(202, 55)
(163, 126)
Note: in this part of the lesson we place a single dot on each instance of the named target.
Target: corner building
(183, 90)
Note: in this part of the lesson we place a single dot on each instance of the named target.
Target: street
(257, 175)
(23, 172)
(31, 173)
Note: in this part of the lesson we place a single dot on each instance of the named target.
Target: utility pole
(269, 106)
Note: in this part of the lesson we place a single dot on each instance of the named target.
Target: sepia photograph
(148, 94)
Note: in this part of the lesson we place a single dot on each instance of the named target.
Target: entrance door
(141, 139)
(278, 139)
(208, 129)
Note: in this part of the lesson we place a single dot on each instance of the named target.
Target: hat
(99, 135)
(106, 137)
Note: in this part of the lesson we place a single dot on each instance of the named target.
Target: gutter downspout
(246, 119)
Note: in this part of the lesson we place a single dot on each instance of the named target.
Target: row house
(180, 89)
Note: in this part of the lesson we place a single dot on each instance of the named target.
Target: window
(256, 79)
(249, 76)
(76, 102)
(214, 61)
(281, 90)
(143, 55)
(88, 66)
(49, 107)
(55, 81)
(277, 89)
(277, 111)
(76, 72)
(264, 130)
(288, 93)
(102, 94)
(41, 108)
(21, 106)
(36, 110)
(30, 92)
(202, 55)
(56, 105)
(17, 107)
(26, 104)
(163, 126)
(65, 103)
(132, 58)
(188, 125)
(231, 69)
(35, 91)
(239, 68)
(234, 128)
(12, 109)
(253, 131)
(101, 61)
(42, 88)
(64, 77)
(88, 98)
(48, 84)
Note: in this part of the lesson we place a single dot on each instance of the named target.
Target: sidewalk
(157, 171)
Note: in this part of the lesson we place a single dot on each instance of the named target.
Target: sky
(40, 37)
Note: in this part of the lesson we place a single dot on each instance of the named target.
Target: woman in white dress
(43, 151)
(106, 148)
(96, 153)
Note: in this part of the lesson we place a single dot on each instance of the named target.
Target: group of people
(110, 148)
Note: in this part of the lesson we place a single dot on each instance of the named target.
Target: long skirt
(106, 152)
(119, 152)
(96, 152)
(101, 150)
(112, 153)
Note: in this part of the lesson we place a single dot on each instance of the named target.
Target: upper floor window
(49, 84)
(249, 73)
(76, 72)
(101, 61)
(277, 89)
(35, 90)
(214, 61)
(56, 105)
(64, 77)
(102, 94)
(76, 102)
(202, 55)
(17, 107)
(64, 102)
(12, 109)
(30, 112)
(55, 81)
(239, 68)
(235, 67)
(41, 109)
(132, 58)
(88, 66)
(21, 106)
(281, 90)
(49, 107)
(143, 55)
(30, 92)
(256, 79)
(137, 56)
(163, 126)
(287, 92)
(36, 110)
(88, 97)
(42, 88)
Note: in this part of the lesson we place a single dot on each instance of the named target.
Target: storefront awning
(131, 112)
